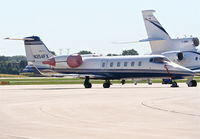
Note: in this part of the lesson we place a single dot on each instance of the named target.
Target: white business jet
(105, 68)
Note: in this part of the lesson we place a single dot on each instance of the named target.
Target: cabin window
(132, 64)
(111, 64)
(118, 64)
(103, 64)
(125, 64)
(196, 58)
(139, 63)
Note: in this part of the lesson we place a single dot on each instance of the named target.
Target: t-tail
(36, 51)
(157, 36)
(160, 40)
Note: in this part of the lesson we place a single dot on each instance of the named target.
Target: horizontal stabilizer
(144, 40)
(151, 40)
(23, 39)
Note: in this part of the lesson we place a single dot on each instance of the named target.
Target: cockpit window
(159, 60)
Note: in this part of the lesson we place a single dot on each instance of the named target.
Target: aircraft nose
(51, 62)
(188, 71)
(179, 69)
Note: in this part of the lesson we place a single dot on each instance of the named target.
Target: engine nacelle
(195, 41)
(188, 42)
(180, 56)
(66, 61)
(174, 55)
(74, 61)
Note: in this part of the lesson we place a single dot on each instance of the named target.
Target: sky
(92, 25)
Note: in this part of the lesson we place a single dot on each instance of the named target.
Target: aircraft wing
(51, 73)
(197, 72)
(92, 76)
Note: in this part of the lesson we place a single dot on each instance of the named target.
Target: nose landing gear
(174, 84)
(192, 83)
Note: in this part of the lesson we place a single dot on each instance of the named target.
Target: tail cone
(50, 62)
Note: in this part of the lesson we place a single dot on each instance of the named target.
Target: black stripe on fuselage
(192, 52)
(125, 73)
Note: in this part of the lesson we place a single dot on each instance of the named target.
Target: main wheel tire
(192, 83)
(106, 85)
(89, 85)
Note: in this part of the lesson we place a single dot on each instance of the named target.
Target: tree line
(124, 53)
(12, 64)
(15, 64)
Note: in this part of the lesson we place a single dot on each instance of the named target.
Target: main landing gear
(87, 83)
(174, 84)
(107, 84)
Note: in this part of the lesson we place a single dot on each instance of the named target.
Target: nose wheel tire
(192, 83)
(174, 84)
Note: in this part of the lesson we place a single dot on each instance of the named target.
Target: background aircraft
(182, 51)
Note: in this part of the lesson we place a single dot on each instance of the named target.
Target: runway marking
(60, 117)
(167, 110)
(32, 112)
(16, 137)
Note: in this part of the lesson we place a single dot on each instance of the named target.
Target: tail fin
(156, 31)
(36, 51)
(153, 27)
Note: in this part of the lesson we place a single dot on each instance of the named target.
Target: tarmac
(120, 112)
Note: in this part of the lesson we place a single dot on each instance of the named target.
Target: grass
(46, 81)
(10, 76)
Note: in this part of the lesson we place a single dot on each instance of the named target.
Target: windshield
(159, 60)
